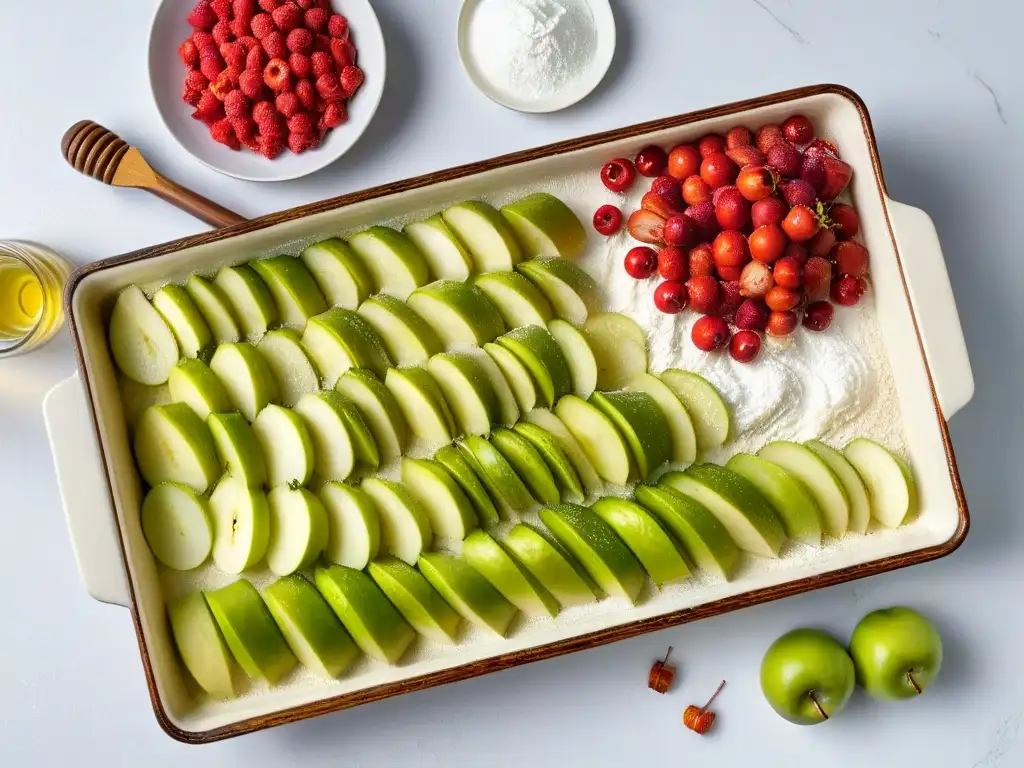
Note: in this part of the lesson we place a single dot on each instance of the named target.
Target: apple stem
(913, 682)
(817, 706)
(718, 690)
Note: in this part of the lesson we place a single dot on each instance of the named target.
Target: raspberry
(239, 27)
(270, 147)
(262, 111)
(190, 91)
(196, 80)
(288, 104)
(244, 126)
(262, 25)
(269, 5)
(222, 33)
(250, 142)
(321, 63)
(247, 43)
(300, 122)
(277, 75)
(268, 120)
(316, 19)
(223, 133)
(287, 17)
(306, 93)
(337, 26)
(299, 65)
(189, 53)
(203, 39)
(343, 52)
(202, 16)
(236, 104)
(244, 9)
(329, 88)
(300, 142)
(274, 45)
(351, 79)
(304, 4)
(322, 43)
(222, 86)
(209, 109)
(299, 41)
(235, 57)
(334, 115)
(212, 67)
(250, 83)
(256, 59)
(222, 8)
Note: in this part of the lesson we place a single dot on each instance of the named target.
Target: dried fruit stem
(714, 695)
(913, 682)
(668, 653)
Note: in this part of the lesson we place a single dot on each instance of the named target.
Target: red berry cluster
(270, 74)
(748, 232)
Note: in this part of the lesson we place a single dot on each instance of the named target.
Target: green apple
(508, 408)
(822, 482)
(807, 676)
(465, 590)
(657, 552)
(340, 339)
(578, 354)
(424, 408)
(250, 631)
(395, 264)
(338, 272)
(353, 527)
(551, 566)
(237, 448)
(202, 646)
(565, 476)
(445, 256)
(379, 409)
(295, 291)
(246, 377)
(173, 445)
(546, 226)
(141, 342)
(490, 560)
(601, 442)
(286, 445)
(554, 426)
(707, 409)
(486, 234)
(417, 601)
(680, 427)
(378, 629)
(241, 525)
(177, 527)
(309, 626)
(460, 313)
(405, 530)
(516, 376)
(501, 480)
(619, 346)
(738, 505)
(250, 300)
(452, 460)
(572, 293)
(517, 300)
(595, 544)
(362, 437)
(333, 450)
(136, 398)
(888, 479)
(527, 463)
(292, 369)
(641, 421)
(408, 338)
(298, 529)
(450, 511)
(860, 507)
(186, 322)
(214, 307)
(705, 539)
(793, 503)
(897, 653)
(193, 383)
(537, 349)
(467, 389)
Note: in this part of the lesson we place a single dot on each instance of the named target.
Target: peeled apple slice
(188, 325)
(287, 360)
(140, 340)
(241, 525)
(249, 382)
(177, 526)
(619, 346)
(214, 307)
(202, 646)
(173, 445)
(298, 529)
(286, 445)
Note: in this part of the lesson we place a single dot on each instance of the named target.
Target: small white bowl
(167, 74)
(604, 51)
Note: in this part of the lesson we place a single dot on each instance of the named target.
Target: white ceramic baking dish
(101, 492)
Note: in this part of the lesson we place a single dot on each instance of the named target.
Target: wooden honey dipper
(102, 154)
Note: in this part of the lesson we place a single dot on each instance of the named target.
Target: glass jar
(32, 281)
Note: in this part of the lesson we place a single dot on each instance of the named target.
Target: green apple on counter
(578, 355)
(339, 339)
(338, 272)
(379, 409)
(353, 527)
(558, 462)
(186, 322)
(241, 525)
(538, 351)
(600, 441)
(546, 226)
(446, 258)
(791, 500)
(295, 291)
(459, 313)
(657, 552)
(516, 376)
(823, 484)
(897, 653)
(554, 426)
(286, 445)
(202, 646)
(246, 377)
(173, 445)
(456, 465)
(417, 601)
(857, 493)
(517, 300)
(888, 479)
(237, 448)
(639, 418)
(551, 566)
(807, 676)
(528, 464)
(176, 524)
(293, 371)
(396, 265)
(572, 293)
(424, 408)
(408, 338)
(404, 527)
(508, 408)
(298, 529)
(322, 413)
(467, 389)
(497, 475)
(707, 409)
(141, 342)
(619, 346)
(213, 306)
(486, 234)
(249, 298)
(193, 383)
(450, 511)
(465, 590)
(490, 560)
(683, 437)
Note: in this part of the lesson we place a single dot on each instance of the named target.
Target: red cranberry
(608, 220)
(641, 262)
(651, 161)
(618, 174)
(818, 315)
(744, 346)
(670, 297)
(847, 291)
(709, 333)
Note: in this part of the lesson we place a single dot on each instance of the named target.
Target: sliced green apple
(445, 256)
(707, 409)
(286, 445)
(241, 525)
(578, 354)
(684, 438)
(518, 301)
(888, 479)
(467, 390)
(558, 462)
(214, 307)
(136, 398)
(173, 445)
(537, 349)
(572, 293)
(338, 272)
(298, 529)
(340, 339)
(202, 646)
(641, 421)
(405, 530)
(292, 369)
(823, 484)
(417, 601)
(601, 442)
(362, 437)
(794, 505)
(527, 463)
(460, 313)
(379, 409)
(395, 264)
(141, 342)
(456, 465)
(244, 372)
(508, 409)
(353, 526)
(451, 513)
(408, 338)
(295, 291)
(657, 552)
(501, 480)
(860, 506)
(177, 527)
(465, 590)
(333, 449)
(250, 300)
(554, 426)
(486, 234)
(193, 383)
(186, 321)
(488, 558)
(424, 407)
(237, 448)
(546, 226)
(619, 346)
(552, 567)
(516, 376)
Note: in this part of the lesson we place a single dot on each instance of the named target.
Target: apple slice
(518, 301)
(460, 313)
(333, 450)
(561, 467)
(298, 529)
(889, 481)
(423, 406)
(249, 629)
(193, 383)
(516, 376)
(244, 372)
(241, 525)
(395, 264)
(287, 360)
(546, 226)
(294, 290)
(250, 300)
(527, 463)
(794, 505)
(186, 322)
(508, 409)
(488, 558)
(601, 442)
(445, 256)
(338, 272)
(202, 646)
(486, 234)
(378, 629)
(860, 507)
(595, 544)
(451, 513)
(452, 460)
(177, 526)
(551, 566)
(353, 526)
(309, 626)
(141, 342)
(738, 505)
(173, 445)
(657, 552)
(237, 448)
(578, 354)
(340, 339)
(469, 593)
(213, 306)
(554, 426)
(537, 349)
(619, 346)
(286, 445)
(707, 409)
(705, 539)
(404, 527)
(825, 487)
(501, 480)
(379, 410)
(136, 398)
(417, 601)
(572, 293)
(467, 390)
(641, 421)
(684, 438)
(408, 338)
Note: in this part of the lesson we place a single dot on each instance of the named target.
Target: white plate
(167, 73)
(604, 50)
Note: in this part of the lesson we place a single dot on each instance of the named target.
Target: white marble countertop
(947, 101)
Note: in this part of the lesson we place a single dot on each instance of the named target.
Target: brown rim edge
(593, 639)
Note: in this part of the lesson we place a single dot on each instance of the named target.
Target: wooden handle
(216, 216)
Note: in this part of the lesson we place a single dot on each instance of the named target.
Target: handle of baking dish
(92, 524)
(934, 304)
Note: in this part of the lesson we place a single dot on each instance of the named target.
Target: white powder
(532, 49)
